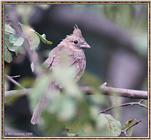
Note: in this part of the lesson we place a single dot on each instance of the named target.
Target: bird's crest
(77, 31)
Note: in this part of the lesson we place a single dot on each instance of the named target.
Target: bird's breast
(76, 59)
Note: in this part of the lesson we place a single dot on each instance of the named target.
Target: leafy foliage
(31, 36)
(127, 128)
(109, 125)
(70, 112)
(14, 43)
(9, 29)
(11, 43)
(8, 56)
(43, 39)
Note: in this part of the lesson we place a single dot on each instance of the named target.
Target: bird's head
(76, 39)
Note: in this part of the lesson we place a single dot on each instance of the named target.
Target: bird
(72, 46)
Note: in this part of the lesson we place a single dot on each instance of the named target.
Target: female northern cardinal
(72, 46)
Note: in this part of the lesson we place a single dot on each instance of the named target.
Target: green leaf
(64, 106)
(107, 124)
(43, 39)
(67, 80)
(39, 90)
(31, 36)
(16, 41)
(51, 125)
(11, 44)
(9, 29)
(81, 119)
(71, 134)
(127, 126)
(7, 55)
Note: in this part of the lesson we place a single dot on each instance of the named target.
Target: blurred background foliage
(117, 34)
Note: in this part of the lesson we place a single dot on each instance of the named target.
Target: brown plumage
(72, 46)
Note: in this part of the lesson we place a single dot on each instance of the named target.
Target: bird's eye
(75, 41)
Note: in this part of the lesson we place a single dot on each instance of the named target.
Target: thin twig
(142, 100)
(129, 93)
(14, 81)
(15, 76)
(20, 92)
(123, 105)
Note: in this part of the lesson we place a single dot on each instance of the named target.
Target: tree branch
(129, 93)
(125, 104)
(15, 76)
(14, 81)
(106, 91)
(85, 89)
(19, 92)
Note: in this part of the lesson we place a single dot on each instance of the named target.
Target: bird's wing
(48, 62)
(52, 56)
(79, 63)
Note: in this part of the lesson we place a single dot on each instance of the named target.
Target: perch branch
(89, 91)
(129, 93)
(85, 89)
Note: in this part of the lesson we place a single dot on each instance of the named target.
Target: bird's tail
(42, 104)
(39, 109)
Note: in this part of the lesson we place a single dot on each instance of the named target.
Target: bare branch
(15, 76)
(14, 81)
(89, 91)
(19, 92)
(85, 89)
(129, 93)
(123, 105)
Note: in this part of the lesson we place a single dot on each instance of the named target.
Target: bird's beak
(85, 45)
